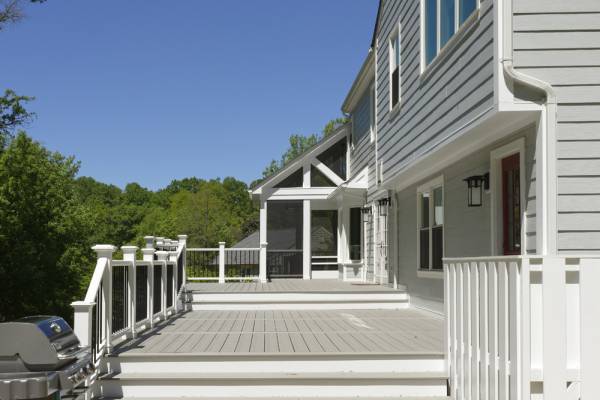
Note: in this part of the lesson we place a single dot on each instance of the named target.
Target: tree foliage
(12, 115)
(299, 144)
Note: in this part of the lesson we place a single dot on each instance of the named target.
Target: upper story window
(363, 117)
(440, 22)
(395, 65)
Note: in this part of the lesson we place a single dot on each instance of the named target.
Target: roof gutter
(545, 162)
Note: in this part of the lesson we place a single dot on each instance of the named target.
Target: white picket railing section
(225, 264)
(128, 296)
(523, 327)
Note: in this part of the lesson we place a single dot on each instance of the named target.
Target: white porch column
(262, 272)
(129, 253)
(106, 251)
(306, 236)
(221, 262)
(173, 258)
(262, 266)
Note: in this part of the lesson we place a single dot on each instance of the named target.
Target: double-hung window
(430, 204)
(395, 68)
(440, 22)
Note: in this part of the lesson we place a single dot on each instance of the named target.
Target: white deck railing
(521, 327)
(224, 264)
(127, 296)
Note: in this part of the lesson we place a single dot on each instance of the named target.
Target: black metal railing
(141, 293)
(170, 283)
(241, 263)
(120, 298)
(179, 272)
(157, 292)
(284, 264)
(202, 264)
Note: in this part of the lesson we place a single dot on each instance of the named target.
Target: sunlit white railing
(521, 327)
(128, 296)
(223, 264)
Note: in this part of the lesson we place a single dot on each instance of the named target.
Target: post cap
(182, 237)
(104, 250)
(162, 255)
(129, 249)
(149, 241)
(82, 306)
(148, 251)
(221, 243)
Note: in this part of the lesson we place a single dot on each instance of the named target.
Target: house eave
(361, 83)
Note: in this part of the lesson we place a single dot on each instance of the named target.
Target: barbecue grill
(41, 357)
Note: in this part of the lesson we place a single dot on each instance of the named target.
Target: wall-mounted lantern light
(383, 206)
(367, 212)
(476, 184)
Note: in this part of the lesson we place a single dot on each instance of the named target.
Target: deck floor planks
(294, 331)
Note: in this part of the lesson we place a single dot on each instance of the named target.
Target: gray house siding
(558, 42)
(467, 230)
(433, 107)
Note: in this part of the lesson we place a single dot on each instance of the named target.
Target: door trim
(496, 156)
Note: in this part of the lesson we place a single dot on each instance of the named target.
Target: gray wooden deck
(406, 331)
(287, 286)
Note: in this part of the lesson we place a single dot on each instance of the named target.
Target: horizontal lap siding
(362, 150)
(558, 42)
(457, 89)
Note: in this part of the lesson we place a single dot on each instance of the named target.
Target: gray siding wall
(433, 107)
(467, 230)
(558, 41)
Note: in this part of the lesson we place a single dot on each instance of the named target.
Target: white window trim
(372, 110)
(396, 33)
(428, 187)
(496, 156)
(459, 32)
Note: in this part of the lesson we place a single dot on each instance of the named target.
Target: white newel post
(106, 251)
(129, 253)
(262, 262)
(183, 247)
(262, 234)
(173, 258)
(221, 262)
(148, 255)
(83, 321)
(159, 242)
(149, 242)
(306, 236)
(162, 258)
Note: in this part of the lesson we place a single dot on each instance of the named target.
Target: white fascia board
(299, 193)
(361, 83)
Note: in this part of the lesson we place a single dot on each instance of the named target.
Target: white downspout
(546, 162)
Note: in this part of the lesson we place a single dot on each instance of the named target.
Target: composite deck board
(293, 331)
(287, 286)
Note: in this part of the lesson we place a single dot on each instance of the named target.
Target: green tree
(43, 231)
(12, 115)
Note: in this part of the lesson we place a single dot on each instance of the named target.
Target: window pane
(424, 249)
(355, 233)
(438, 206)
(447, 14)
(466, 8)
(437, 250)
(430, 30)
(324, 232)
(424, 210)
(294, 180)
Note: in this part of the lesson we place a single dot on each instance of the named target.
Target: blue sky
(150, 91)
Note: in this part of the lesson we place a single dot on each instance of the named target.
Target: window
(395, 64)
(430, 203)
(363, 116)
(355, 233)
(441, 20)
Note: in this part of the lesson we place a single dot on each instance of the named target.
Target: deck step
(274, 385)
(298, 300)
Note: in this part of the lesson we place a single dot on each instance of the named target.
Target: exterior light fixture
(383, 206)
(476, 184)
(367, 212)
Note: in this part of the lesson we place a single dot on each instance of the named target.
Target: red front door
(511, 205)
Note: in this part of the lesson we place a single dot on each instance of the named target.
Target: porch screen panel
(324, 239)
(284, 237)
(355, 233)
(335, 158)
